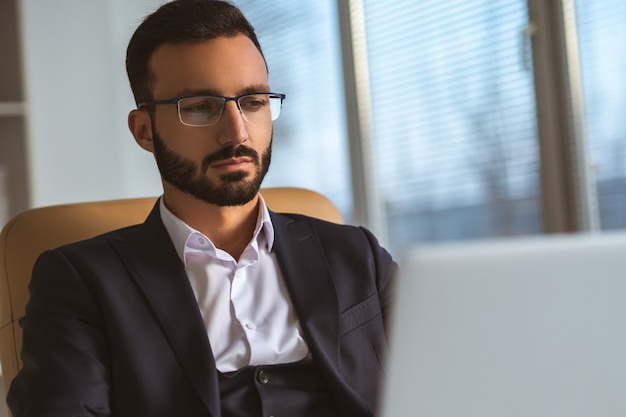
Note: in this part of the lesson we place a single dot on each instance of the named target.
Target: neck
(229, 228)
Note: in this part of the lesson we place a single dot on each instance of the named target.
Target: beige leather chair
(32, 232)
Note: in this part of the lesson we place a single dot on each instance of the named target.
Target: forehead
(225, 65)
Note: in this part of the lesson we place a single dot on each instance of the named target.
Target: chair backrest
(27, 235)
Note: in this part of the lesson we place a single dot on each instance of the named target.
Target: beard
(235, 188)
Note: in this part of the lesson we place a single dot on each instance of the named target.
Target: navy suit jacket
(112, 326)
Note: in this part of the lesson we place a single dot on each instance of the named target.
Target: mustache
(230, 152)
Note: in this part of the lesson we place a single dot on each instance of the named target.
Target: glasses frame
(236, 99)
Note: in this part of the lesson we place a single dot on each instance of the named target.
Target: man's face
(225, 163)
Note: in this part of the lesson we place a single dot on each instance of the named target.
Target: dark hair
(180, 22)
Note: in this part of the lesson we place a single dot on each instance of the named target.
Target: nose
(232, 127)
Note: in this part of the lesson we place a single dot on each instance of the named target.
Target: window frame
(568, 194)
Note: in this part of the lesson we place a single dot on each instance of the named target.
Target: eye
(201, 105)
(253, 102)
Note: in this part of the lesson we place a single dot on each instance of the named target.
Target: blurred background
(422, 120)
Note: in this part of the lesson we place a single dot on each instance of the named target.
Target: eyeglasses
(207, 110)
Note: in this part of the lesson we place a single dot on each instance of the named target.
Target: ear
(140, 126)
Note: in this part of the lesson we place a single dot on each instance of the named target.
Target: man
(214, 306)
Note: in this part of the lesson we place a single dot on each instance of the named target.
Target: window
(453, 119)
(455, 146)
(602, 39)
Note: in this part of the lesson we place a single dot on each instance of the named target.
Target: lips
(231, 162)
(230, 157)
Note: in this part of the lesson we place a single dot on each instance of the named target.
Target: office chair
(27, 235)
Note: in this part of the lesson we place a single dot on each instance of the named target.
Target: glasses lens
(260, 108)
(200, 111)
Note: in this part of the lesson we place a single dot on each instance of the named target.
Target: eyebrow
(259, 88)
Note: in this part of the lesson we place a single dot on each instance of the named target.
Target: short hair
(180, 22)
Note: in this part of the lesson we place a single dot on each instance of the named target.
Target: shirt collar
(179, 231)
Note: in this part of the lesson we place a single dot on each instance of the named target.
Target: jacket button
(263, 378)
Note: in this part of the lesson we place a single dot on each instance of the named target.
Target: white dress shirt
(245, 305)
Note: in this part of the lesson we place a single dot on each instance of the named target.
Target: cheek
(262, 136)
(165, 128)
(192, 143)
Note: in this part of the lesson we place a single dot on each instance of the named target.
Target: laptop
(529, 327)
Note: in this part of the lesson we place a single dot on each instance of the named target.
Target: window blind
(601, 27)
(453, 114)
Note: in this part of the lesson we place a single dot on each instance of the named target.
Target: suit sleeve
(386, 270)
(64, 351)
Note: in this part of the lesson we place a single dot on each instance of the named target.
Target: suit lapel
(157, 269)
(310, 285)
(302, 260)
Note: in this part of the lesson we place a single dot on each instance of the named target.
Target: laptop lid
(531, 327)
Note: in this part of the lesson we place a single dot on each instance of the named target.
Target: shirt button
(250, 326)
(263, 378)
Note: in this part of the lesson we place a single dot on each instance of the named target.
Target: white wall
(78, 98)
